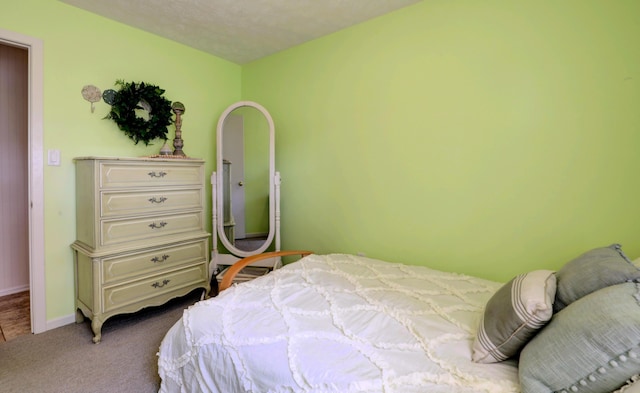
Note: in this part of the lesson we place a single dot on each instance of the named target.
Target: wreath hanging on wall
(148, 100)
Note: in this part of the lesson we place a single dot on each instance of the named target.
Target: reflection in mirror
(246, 191)
(245, 155)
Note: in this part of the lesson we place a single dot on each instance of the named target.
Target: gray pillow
(592, 346)
(593, 270)
(513, 315)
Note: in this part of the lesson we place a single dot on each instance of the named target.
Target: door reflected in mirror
(246, 180)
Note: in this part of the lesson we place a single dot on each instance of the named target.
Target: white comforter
(336, 323)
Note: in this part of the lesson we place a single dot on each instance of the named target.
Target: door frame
(37, 281)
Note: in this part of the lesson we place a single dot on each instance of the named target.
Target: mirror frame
(272, 179)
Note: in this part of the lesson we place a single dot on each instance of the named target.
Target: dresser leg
(79, 316)
(96, 326)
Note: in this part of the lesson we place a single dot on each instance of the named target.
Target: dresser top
(149, 159)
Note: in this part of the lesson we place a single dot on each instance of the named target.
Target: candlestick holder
(178, 143)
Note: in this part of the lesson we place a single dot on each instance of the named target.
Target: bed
(346, 323)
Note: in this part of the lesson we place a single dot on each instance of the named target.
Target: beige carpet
(65, 360)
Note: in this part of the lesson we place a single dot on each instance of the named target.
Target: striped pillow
(513, 315)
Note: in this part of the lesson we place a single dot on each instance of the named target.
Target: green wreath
(132, 96)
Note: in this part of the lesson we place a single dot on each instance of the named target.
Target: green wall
(488, 137)
(81, 48)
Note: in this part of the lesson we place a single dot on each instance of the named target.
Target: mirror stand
(245, 187)
(218, 258)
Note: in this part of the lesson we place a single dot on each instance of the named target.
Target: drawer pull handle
(158, 285)
(160, 259)
(154, 200)
(153, 225)
(157, 174)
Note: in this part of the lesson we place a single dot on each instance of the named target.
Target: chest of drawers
(140, 232)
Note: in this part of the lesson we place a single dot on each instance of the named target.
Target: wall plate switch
(53, 157)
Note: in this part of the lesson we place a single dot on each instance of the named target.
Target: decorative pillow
(592, 346)
(513, 315)
(593, 270)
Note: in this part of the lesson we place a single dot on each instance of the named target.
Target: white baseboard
(51, 324)
(255, 234)
(11, 291)
(60, 322)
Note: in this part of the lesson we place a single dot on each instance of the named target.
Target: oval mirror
(245, 175)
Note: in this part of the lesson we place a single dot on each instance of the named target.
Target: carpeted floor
(65, 360)
(250, 243)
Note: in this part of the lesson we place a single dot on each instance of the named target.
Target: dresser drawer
(153, 262)
(114, 174)
(115, 203)
(132, 230)
(136, 291)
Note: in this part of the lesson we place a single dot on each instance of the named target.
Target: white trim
(60, 322)
(255, 234)
(14, 290)
(36, 175)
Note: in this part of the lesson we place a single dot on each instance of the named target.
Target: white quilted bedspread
(336, 323)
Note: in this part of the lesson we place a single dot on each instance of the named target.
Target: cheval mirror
(245, 187)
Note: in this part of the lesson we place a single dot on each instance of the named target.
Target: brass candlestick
(178, 109)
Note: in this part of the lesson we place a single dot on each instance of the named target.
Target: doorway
(14, 175)
(32, 172)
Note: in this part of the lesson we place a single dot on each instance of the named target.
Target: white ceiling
(240, 30)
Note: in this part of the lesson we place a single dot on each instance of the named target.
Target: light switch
(54, 157)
